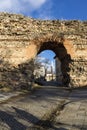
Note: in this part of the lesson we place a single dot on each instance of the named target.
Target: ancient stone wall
(22, 38)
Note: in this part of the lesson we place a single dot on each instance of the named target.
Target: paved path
(74, 114)
(5, 96)
(24, 113)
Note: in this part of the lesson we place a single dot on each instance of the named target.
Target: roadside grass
(36, 86)
(5, 89)
(8, 89)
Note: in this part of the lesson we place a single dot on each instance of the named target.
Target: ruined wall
(21, 39)
(58, 70)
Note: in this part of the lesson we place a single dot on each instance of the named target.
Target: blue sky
(50, 56)
(47, 9)
(63, 9)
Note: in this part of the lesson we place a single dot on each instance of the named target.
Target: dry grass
(6, 89)
(36, 86)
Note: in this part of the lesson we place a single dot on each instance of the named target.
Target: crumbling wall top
(25, 27)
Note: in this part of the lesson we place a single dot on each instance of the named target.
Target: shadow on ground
(11, 122)
(14, 124)
(76, 94)
(16, 118)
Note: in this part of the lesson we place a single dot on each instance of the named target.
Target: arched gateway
(22, 38)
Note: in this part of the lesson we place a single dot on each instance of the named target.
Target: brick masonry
(22, 38)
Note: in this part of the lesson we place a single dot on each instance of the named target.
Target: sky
(49, 55)
(47, 9)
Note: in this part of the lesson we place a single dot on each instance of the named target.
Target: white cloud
(5, 4)
(46, 12)
(36, 3)
(42, 8)
(18, 6)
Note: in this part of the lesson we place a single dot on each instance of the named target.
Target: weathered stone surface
(22, 38)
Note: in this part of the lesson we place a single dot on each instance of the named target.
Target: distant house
(50, 77)
(39, 72)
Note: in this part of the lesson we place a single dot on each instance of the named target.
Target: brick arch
(50, 42)
(63, 49)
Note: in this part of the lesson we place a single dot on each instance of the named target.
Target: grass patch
(36, 86)
(6, 89)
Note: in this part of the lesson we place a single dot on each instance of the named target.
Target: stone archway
(61, 47)
(64, 57)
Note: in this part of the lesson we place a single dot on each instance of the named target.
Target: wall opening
(62, 58)
(45, 70)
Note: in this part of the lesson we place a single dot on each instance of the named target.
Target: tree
(39, 64)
